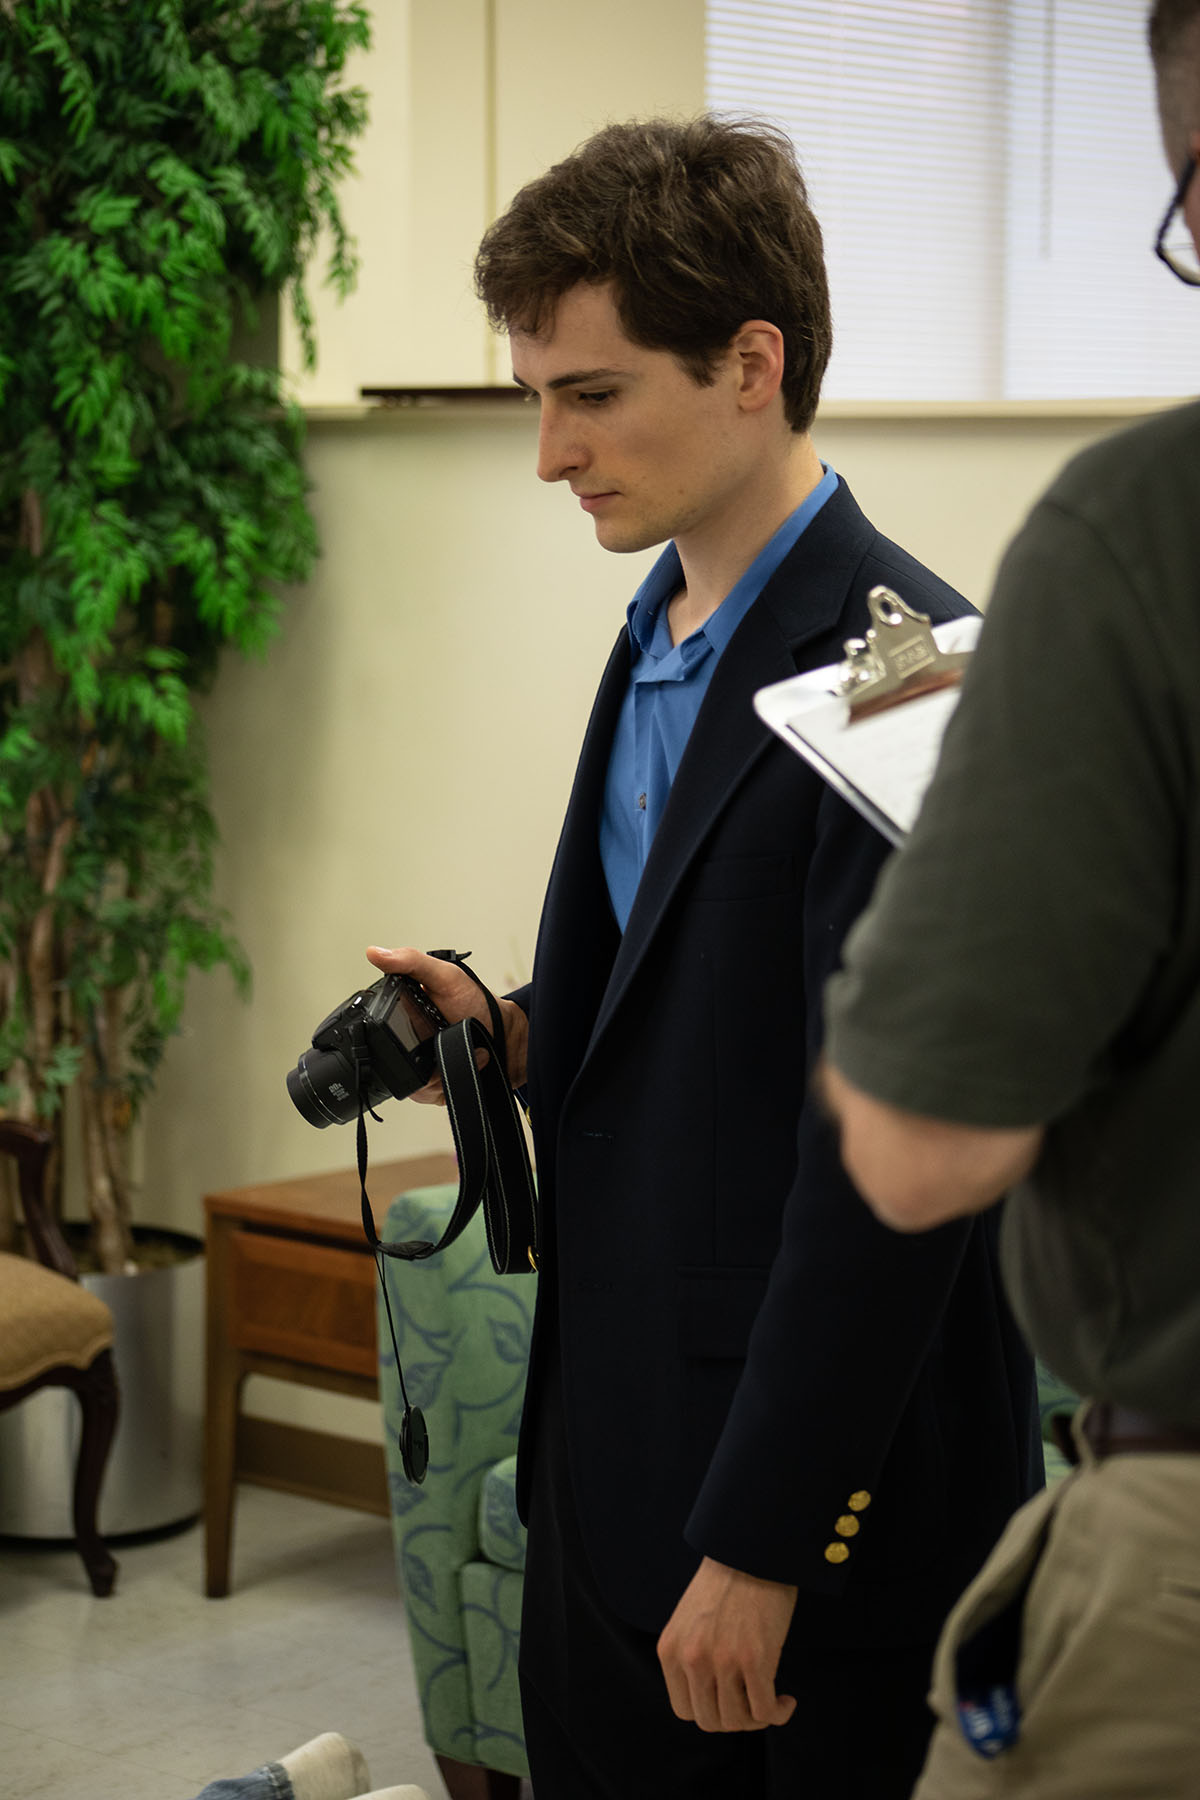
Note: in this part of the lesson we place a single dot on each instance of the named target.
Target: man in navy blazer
(766, 1440)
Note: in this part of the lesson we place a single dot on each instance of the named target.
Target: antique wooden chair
(54, 1333)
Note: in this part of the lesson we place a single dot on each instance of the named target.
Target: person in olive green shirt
(1020, 1009)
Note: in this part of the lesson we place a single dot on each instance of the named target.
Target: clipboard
(872, 725)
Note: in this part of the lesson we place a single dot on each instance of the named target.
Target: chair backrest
(463, 1333)
(30, 1146)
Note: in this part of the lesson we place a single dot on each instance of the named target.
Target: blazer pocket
(717, 1309)
(744, 877)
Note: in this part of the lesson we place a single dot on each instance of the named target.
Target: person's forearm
(917, 1172)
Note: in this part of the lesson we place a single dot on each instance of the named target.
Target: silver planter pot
(155, 1473)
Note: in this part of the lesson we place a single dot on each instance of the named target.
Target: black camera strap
(493, 1171)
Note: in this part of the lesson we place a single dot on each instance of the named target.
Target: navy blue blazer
(753, 1367)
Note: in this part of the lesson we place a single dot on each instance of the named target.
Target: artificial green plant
(165, 168)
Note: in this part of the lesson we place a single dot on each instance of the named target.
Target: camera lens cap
(414, 1444)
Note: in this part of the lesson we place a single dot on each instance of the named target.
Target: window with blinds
(989, 178)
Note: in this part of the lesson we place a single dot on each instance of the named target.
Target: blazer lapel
(579, 938)
(579, 842)
(797, 622)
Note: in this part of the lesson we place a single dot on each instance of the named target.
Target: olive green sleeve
(1008, 942)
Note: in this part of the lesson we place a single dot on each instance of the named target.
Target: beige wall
(468, 100)
(396, 770)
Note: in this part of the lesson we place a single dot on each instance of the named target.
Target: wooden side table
(291, 1294)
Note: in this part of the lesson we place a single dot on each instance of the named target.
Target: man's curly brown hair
(698, 225)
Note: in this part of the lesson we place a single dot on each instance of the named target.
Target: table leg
(223, 1386)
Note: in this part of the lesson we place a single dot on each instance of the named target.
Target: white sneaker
(328, 1767)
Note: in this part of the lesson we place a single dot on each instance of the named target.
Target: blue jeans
(271, 1782)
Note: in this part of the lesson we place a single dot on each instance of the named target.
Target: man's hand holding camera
(457, 997)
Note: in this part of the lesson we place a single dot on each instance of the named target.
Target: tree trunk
(112, 1238)
(40, 958)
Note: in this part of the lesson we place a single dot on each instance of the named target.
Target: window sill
(405, 403)
(1121, 407)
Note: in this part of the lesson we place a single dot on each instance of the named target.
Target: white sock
(329, 1767)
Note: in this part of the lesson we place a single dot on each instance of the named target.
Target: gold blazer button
(859, 1501)
(836, 1553)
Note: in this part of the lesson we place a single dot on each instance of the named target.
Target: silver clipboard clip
(897, 660)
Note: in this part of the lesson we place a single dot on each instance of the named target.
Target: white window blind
(988, 176)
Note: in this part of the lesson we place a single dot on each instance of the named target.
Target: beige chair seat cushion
(46, 1320)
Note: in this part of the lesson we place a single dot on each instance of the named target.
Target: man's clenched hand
(720, 1650)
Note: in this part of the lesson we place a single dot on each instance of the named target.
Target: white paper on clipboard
(881, 764)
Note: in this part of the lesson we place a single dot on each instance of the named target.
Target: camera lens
(322, 1088)
(379, 1042)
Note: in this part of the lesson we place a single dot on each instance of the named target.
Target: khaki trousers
(1109, 1672)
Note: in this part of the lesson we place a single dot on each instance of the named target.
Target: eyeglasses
(1174, 241)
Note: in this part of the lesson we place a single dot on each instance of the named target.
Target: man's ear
(758, 347)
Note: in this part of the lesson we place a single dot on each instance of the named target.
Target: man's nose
(559, 450)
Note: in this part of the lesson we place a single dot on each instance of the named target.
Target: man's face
(650, 453)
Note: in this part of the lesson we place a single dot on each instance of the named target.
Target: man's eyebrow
(576, 378)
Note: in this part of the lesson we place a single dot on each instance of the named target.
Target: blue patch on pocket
(991, 1722)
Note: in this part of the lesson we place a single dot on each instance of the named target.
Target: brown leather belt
(1115, 1430)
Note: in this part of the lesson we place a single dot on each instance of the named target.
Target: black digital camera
(377, 1043)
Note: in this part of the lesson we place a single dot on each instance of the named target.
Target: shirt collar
(647, 612)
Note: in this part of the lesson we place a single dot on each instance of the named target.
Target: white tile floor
(155, 1691)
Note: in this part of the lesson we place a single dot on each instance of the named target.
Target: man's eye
(598, 397)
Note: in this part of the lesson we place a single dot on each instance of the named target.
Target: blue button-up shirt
(667, 684)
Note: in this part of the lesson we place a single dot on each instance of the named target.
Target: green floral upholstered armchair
(463, 1333)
